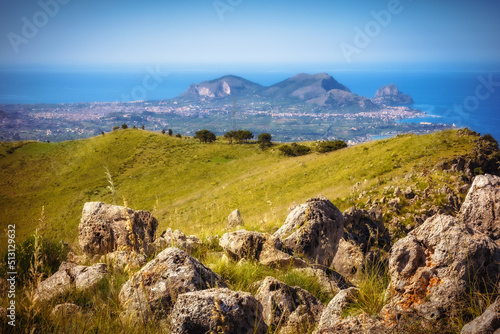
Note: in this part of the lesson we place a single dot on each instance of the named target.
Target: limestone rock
(65, 310)
(288, 308)
(481, 208)
(234, 219)
(486, 323)
(105, 228)
(153, 290)
(366, 229)
(313, 230)
(256, 246)
(349, 258)
(123, 259)
(177, 239)
(70, 276)
(431, 268)
(391, 96)
(217, 311)
(331, 281)
(333, 312)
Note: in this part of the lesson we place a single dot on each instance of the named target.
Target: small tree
(205, 136)
(124, 126)
(142, 127)
(163, 131)
(170, 133)
(264, 140)
(116, 128)
(102, 133)
(230, 135)
(294, 150)
(178, 135)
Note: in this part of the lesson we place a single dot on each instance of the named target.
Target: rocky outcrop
(217, 311)
(313, 230)
(487, 323)
(105, 228)
(256, 246)
(331, 281)
(234, 219)
(391, 96)
(349, 258)
(288, 309)
(436, 264)
(170, 238)
(70, 276)
(153, 290)
(481, 208)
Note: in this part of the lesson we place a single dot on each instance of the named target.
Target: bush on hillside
(294, 150)
(329, 146)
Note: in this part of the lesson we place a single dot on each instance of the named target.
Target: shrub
(329, 146)
(124, 126)
(51, 253)
(294, 150)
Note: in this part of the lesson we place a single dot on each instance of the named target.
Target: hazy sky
(192, 32)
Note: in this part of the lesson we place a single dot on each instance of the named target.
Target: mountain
(222, 87)
(391, 96)
(340, 99)
(304, 87)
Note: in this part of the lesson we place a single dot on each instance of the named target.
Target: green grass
(195, 186)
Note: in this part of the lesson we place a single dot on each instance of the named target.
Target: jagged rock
(366, 229)
(125, 260)
(431, 268)
(153, 290)
(397, 192)
(286, 308)
(260, 247)
(331, 281)
(65, 310)
(217, 311)
(409, 193)
(390, 95)
(234, 219)
(70, 276)
(481, 208)
(394, 204)
(487, 323)
(177, 239)
(105, 228)
(332, 322)
(349, 258)
(313, 230)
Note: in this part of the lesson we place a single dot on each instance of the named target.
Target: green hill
(193, 186)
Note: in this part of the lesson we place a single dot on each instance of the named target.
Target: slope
(195, 186)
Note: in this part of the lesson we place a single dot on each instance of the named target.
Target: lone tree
(163, 131)
(170, 133)
(230, 135)
(264, 140)
(143, 127)
(124, 126)
(205, 136)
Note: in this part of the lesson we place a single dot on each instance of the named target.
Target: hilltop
(195, 186)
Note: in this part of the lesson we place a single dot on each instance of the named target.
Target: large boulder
(70, 276)
(217, 311)
(481, 209)
(313, 230)
(257, 246)
(288, 309)
(152, 291)
(486, 323)
(436, 264)
(105, 228)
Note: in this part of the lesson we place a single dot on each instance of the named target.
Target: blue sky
(194, 33)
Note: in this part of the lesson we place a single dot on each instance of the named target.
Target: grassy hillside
(193, 186)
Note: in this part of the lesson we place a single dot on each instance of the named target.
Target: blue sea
(463, 98)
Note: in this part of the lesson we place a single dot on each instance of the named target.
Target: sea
(463, 98)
